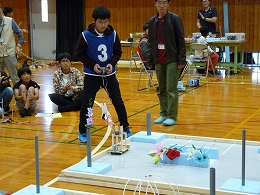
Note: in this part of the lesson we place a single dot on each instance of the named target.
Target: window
(44, 9)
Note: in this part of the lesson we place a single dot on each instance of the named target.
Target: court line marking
(242, 123)
(227, 149)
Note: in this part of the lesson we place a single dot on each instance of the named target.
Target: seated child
(6, 93)
(68, 84)
(143, 49)
(26, 92)
(200, 54)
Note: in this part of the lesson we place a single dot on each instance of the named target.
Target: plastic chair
(201, 62)
(133, 58)
(148, 73)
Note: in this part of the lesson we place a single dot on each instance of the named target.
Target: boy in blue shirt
(99, 50)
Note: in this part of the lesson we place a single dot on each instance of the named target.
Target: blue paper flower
(205, 157)
(198, 158)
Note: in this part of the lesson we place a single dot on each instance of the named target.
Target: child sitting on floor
(26, 92)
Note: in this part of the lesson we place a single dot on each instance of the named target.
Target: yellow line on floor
(28, 163)
(27, 142)
(19, 146)
(242, 123)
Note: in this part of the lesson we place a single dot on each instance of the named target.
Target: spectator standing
(9, 12)
(166, 39)
(207, 16)
(8, 48)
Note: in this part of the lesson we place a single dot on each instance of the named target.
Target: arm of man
(198, 23)
(212, 20)
(198, 20)
(19, 32)
(180, 42)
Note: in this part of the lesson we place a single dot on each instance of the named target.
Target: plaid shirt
(75, 78)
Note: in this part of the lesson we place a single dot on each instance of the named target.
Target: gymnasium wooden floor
(222, 106)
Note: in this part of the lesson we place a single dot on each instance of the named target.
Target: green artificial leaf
(152, 154)
(156, 160)
(193, 146)
(178, 149)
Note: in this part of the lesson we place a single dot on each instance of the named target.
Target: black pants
(67, 103)
(92, 85)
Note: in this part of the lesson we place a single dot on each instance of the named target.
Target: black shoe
(28, 112)
(63, 109)
(23, 112)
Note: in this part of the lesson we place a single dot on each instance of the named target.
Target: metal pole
(243, 156)
(12, 112)
(148, 123)
(212, 181)
(226, 28)
(89, 156)
(37, 164)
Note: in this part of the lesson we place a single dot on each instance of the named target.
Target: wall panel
(21, 16)
(129, 16)
(243, 16)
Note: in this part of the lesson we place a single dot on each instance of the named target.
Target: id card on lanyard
(161, 46)
(161, 38)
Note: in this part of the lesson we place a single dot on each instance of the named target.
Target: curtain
(70, 23)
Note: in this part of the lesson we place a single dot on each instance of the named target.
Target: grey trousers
(10, 63)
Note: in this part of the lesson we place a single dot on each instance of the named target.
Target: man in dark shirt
(207, 17)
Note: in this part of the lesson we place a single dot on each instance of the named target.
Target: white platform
(143, 137)
(31, 190)
(249, 187)
(98, 168)
(135, 165)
